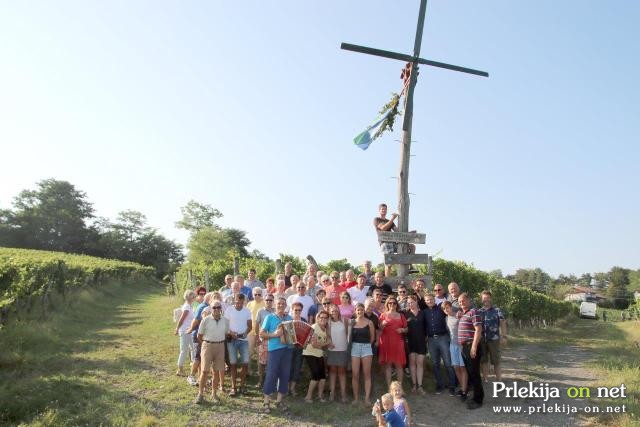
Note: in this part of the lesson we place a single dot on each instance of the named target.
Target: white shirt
(338, 335)
(358, 295)
(187, 320)
(238, 319)
(306, 302)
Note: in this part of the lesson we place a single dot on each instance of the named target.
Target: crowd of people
(360, 326)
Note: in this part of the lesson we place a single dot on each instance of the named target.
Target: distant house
(581, 293)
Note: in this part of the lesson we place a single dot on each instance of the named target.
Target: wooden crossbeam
(409, 58)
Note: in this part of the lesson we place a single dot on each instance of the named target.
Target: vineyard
(522, 305)
(27, 275)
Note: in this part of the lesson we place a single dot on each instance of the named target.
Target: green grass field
(108, 358)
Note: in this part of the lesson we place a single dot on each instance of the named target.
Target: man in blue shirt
(438, 340)
(494, 334)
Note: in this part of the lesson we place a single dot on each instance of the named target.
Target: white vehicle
(588, 309)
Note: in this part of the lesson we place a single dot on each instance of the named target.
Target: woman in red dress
(391, 344)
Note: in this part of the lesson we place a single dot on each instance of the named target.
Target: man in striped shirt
(469, 337)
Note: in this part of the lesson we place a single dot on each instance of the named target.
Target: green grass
(109, 358)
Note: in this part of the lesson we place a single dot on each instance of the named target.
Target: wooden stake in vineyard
(405, 150)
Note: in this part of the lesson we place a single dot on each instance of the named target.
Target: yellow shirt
(254, 307)
(321, 337)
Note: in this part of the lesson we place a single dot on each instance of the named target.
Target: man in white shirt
(239, 318)
(359, 292)
(302, 298)
(211, 334)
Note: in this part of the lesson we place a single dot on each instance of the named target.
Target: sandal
(414, 388)
(322, 399)
(308, 400)
(282, 406)
(233, 392)
(421, 390)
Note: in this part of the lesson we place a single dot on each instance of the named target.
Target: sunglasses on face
(297, 309)
(269, 300)
(326, 303)
(402, 292)
(217, 307)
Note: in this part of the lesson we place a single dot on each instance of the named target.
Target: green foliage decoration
(392, 107)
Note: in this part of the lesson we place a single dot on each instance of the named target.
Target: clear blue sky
(251, 106)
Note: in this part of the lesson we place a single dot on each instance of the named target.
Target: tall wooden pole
(405, 146)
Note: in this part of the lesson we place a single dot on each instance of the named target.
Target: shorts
(337, 358)
(316, 367)
(238, 346)
(212, 356)
(197, 348)
(361, 350)
(388, 248)
(456, 354)
(491, 351)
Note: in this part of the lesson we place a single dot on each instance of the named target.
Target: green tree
(338, 265)
(618, 287)
(196, 216)
(600, 280)
(54, 217)
(634, 280)
(533, 278)
(208, 244)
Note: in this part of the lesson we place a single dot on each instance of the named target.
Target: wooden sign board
(399, 237)
(406, 258)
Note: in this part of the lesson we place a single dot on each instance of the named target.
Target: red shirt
(333, 292)
(351, 284)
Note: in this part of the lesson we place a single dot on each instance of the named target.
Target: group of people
(359, 323)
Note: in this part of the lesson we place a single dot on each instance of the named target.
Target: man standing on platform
(381, 223)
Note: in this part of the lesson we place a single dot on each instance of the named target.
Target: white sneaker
(191, 380)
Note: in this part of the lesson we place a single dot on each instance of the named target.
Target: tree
(600, 280)
(52, 217)
(208, 244)
(618, 284)
(196, 216)
(496, 273)
(338, 265)
(238, 241)
(534, 278)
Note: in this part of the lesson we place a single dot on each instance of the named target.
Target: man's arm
(386, 226)
(503, 330)
(249, 326)
(476, 340)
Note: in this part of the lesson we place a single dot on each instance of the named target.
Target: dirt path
(560, 367)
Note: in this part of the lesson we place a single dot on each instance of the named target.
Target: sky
(252, 107)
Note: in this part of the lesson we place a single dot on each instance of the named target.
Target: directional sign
(399, 237)
(406, 258)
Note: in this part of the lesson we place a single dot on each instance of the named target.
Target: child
(400, 404)
(390, 418)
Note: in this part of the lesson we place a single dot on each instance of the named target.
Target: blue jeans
(278, 370)
(439, 348)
